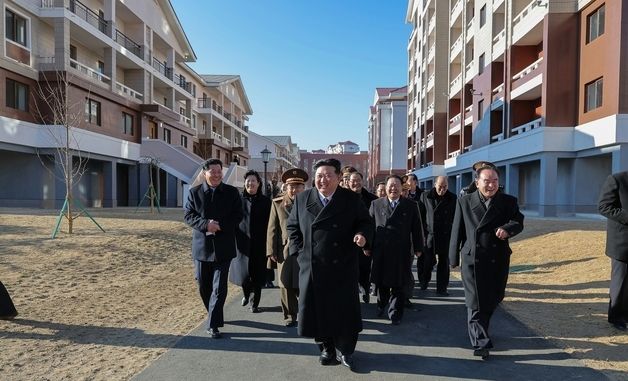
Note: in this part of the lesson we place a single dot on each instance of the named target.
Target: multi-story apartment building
(125, 68)
(358, 160)
(540, 89)
(344, 147)
(284, 154)
(387, 134)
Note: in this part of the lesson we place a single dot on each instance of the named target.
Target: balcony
(181, 82)
(499, 44)
(469, 71)
(431, 25)
(527, 21)
(527, 83)
(129, 92)
(529, 69)
(431, 53)
(497, 138)
(430, 111)
(498, 93)
(162, 68)
(128, 44)
(454, 154)
(89, 72)
(84, 13)
(456, 85)
(497, 4)
(456, 49)
(468, 115)
(456, 11)
(454, 124)
(429, 142)
(527, 126)
(430, 82)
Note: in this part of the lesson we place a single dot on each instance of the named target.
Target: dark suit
(7, 309)
(613, 204)
(438, 216)
(322, 238)
(365, 262)
(397, 236)
(213, 253)
(485, 258)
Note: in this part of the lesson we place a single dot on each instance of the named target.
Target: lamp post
(265, 157)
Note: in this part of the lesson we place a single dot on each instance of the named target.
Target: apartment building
(344, 147)
(387, 128)
(284, 154)
(125, 68)
(539, 88)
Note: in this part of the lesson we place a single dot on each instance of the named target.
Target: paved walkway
(431, 343)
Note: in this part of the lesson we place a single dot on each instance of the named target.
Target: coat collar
(485, 216)
(315, 206)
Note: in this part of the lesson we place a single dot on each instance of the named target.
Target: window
(481, 64)
(167, 135)
(184, 141)
(127, 124)
(101, 67)
(17, 95)
(593, 94)
(595, 24)
(16, 28)
(92, 111)
(480, 109)
(204, 126)
(483, 16)
(73, 56)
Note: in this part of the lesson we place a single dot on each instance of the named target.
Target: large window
(184, 141)
(167, 135)
(17, 95)
(127, 124)
(483, 16)
(481, 63)
(595, 24)
(92, 112)
(16, 28)
(593, 94)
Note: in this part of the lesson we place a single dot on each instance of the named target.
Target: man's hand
(501, 233)
(273, 258)
(454, 267)
(213, 226)
(418, 254)
(359, 240)
(367, 252)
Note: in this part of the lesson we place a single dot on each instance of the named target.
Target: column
(110, 176)
(511, 181)
(547, 185)
(620, 159)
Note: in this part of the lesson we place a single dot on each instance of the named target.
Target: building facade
(283, 155)
(387, 136)
(344, 147)
(131, 97)
(537, 87)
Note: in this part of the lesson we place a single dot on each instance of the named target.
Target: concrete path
(431, 343)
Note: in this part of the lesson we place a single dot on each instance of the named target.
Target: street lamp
(265, 157)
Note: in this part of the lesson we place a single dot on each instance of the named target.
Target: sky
(309, 68)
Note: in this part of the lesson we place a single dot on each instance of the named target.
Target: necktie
(325, 201)
(393, 204)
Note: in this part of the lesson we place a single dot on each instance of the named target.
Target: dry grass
(102, 306)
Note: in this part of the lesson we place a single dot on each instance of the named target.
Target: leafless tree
(152, 196)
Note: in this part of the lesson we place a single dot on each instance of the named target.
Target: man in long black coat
(613, 204)
(355, 184)
(438, 206)
(483, 222)
(325, 224)
(7, 309)
(213, 209)
(398, 233)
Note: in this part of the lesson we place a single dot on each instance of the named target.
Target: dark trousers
(618, 304)
(212, 284)
(7, 309)
(395, 298)
(364, 277)
(248, 288)
(478, 322)
(425, 265)
(345, 343)
(289, 303)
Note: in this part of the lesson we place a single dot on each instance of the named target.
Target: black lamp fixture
(265, 158)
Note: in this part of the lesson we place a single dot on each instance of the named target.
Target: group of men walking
(342, 239)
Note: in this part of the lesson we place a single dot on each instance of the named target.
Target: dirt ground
(97, 306)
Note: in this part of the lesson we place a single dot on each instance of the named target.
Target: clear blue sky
(309, 68)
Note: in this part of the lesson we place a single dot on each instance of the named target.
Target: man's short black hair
(211, 162)
(413, 176)
(393, 177)
(357, 173)
(484, 167)
(252, 172)
(330, 162)
(380, 183)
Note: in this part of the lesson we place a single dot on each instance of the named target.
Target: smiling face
(393, 188)
(381, 190)
(294, 189)
(487, 182)
(441, 185)
(213, 175)
(326, 180)
(355, 183)
(251, 184)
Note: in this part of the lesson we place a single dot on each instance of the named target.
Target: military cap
(483, 163)
(294, 176)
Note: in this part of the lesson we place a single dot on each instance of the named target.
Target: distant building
(344, 147)
(283, 155)
(387, 134)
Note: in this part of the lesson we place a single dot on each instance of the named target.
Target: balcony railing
(525, 12)
(88, 71)
(430, 81)
(456, 82)
(185, 119)
(455, 11)
(128, 44)
(528, 126)
(497, 91)
(92, 18)
(162, 68)
(431, 24)
(457, 45)
(529, 69)
(497, 138)
(455, 120)
(129, 92)
(180, 80)
(454, 154)
(203, 103)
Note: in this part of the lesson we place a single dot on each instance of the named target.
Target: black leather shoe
(396, 321)
(214, 333)
(442, 293)
(328, 358)
(290, 323)
(482, 352)
(255, 310)
(346, 360)
(245, 301)
(380, 312)
(620, 325)
(408, 304)
(424, 287)
(366, 298)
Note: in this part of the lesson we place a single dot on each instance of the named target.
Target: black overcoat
(613, 204)
(251, 241)
(322, 238)
(484, 259)
(437, 220)
(398, 235)
(222, 205)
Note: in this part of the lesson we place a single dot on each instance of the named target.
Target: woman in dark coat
(248, 269)
(7, 309)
